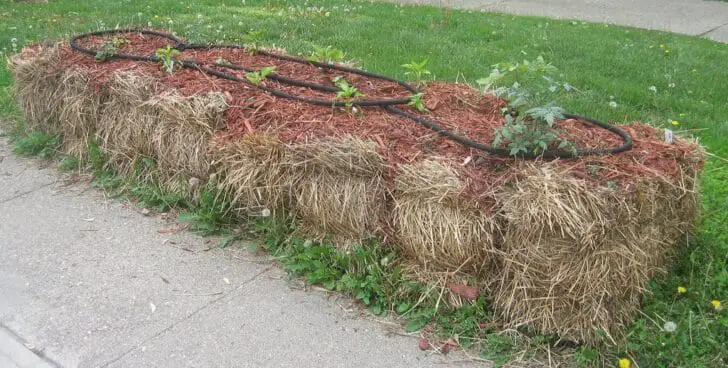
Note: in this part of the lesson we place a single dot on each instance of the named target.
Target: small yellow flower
(695, 70)
(156, 16)
(681, 290)
(682, 114)
(675, 122)
(716, 305)
(625, 363)
(662, 46)
(667, 51)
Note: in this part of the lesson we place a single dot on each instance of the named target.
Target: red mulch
(456, 107)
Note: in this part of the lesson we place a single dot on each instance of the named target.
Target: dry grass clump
(80, 109)
(339, 187)
(444, 288)
(252, 173)
(576, 258)
(37, 78)
(435, 225)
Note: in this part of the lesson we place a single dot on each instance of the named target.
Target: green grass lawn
(623, 74)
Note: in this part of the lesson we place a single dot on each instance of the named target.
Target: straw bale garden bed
(555, 245)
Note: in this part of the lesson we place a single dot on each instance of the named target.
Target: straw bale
(80, 109)
(339, 188)
(576, 258)
(37, 75)
(127, 124)
(437, 226)
(182, 134)
(253, 174)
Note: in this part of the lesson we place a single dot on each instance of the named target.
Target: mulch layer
(456, 107)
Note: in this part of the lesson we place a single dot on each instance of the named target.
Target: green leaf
(416, 324)
(267, 71)
(403, 307)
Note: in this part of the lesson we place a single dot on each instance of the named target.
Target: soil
(456, 107)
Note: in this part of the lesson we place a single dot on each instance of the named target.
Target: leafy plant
(525, 84)
(95, 155)
(68, 163)
(252, 41)
(532, 132)
(327, 55)
(417, 102)
(213, 214)
(110, 48)
(346, 91)
(38, 144)
(417, 69)
(153, 197)
(258, 76)
(167, 56)
(530, 116)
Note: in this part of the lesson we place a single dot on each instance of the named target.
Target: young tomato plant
(417, 102)
(252, 41)
(110, 48)
(327, 55)
(418, 70)
(532, 131)
(346, 91)
(258, 76)
(530, 116)
(167, 55)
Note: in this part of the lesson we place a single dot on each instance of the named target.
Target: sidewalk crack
(194, 313)
(712, 29)
(16, 196)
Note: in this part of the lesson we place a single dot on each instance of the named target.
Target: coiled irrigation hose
(387, 104)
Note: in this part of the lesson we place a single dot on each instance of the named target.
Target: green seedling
(417, 102)
(252, 41)
(258, 76)
(327, 55)
(110, 48)
(346, 91)
(167, 56)
(417, 70)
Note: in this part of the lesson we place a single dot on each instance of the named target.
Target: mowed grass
(659, 78)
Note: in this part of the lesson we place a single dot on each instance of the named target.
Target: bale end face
(339, 188)
(577, 258)
(435, 225)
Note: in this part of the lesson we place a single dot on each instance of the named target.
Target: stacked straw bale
(334, 186)
(80, 108)
(37, 79)
(252, 172)
(127, 124)
(141, 120)
(339, 187)
(145, 131)
(435, 225)
(182, 136)
(576, 258)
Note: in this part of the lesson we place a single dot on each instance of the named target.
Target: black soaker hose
(386, 104)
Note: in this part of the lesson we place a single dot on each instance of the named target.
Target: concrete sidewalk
(692, 17)
(90, 282)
